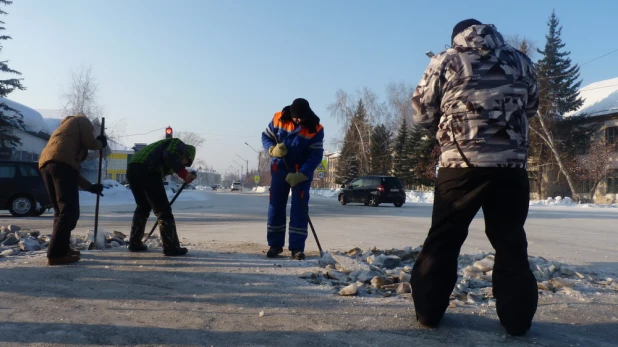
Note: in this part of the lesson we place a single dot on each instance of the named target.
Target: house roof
(600, 98)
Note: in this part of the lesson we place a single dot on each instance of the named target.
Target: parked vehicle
(373, 190)
(22, 190)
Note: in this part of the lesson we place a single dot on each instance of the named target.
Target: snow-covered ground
(115, 193)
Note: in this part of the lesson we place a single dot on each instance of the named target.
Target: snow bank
(419, 197)
(52, 124)
(33, 120)
(261, 189)
(411, 196)
(324, 193)
(115, 193)
(560, 201)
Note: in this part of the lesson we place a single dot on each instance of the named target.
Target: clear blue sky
(223, 68)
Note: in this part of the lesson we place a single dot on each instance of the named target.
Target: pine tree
(355, 152)
(421, 154)
(10, 119)
(380, 148)
(558, 78)
(400, 161)
(348, 163)
(558, 85)
(362, 138)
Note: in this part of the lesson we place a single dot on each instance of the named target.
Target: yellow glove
(278, 151)
(295, 178)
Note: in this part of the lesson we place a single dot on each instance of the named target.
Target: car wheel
(398, 203)
(373, 201)
(39, 212)
(342, 200)
(22, 206)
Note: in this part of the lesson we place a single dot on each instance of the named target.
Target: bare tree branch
(81, 97)
(190, 138)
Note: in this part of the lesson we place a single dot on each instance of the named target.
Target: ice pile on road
(14, 241)
(374, 272)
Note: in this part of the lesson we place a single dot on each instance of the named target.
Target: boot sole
(63, 260)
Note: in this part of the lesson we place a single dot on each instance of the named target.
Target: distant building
(601, 108)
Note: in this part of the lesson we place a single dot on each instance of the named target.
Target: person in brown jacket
(60, 163)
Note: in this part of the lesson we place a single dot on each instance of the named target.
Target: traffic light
(169, 133)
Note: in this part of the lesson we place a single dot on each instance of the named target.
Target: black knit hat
(463, 25)
(300, 109)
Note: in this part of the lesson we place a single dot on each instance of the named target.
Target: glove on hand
(96, 189)
(278, 151)
(103, 140)
(189, 178)
(295, 178)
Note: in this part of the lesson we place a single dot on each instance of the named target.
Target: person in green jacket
(145, 173)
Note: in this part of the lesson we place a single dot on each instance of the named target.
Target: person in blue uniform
(294, 139)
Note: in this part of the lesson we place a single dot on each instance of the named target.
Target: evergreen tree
(558, 77)
(400, 160)
(355, 152)
(360, 125)
(419, 150)
(558, 84)
(380, 148)
(348, 163)
(10, 119)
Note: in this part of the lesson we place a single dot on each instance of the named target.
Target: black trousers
(61, 183)
(149, 193)
(503, 194)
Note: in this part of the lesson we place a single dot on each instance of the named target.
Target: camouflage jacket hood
(483, 37)
(477, 98)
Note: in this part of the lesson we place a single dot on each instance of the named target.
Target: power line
(611, 85)
(589, 61)
(151, 131)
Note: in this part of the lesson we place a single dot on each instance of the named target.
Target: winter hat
(300, 109)
(190, 151)
(463, 25)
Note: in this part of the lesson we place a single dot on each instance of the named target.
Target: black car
(373, 190)
(22, 190)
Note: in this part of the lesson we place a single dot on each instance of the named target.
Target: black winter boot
(169, 238)
(273, 252)
(298, 255)
(138, 226)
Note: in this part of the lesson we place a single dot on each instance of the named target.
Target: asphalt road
(577, 236)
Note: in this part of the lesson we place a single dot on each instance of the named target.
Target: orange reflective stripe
(278, 123)
(304, 132)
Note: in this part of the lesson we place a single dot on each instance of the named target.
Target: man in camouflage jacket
(145, 174)
(478, 97)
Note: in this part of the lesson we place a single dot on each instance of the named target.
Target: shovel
(97, 243)
(157, 222)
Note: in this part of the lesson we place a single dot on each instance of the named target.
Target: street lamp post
(246, 161)
(259, 160)
(239, 171)
(247, 167)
